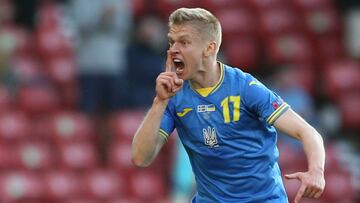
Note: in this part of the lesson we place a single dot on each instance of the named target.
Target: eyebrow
(185, 36)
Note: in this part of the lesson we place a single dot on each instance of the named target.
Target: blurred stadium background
(55, 147)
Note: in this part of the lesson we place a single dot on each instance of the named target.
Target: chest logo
(205, 108)
(210, 138)
(184, 112)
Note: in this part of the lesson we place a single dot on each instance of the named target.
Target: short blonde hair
(207, 24)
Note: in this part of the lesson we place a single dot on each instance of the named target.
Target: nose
(174, 48)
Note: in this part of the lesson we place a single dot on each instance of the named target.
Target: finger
(313, 193)
(178, 82)
(318, 194)
(308, 192)
(177, 88)
(168, 65)
(300, 193)
(293, 176)
(165, 83)
(170, 78)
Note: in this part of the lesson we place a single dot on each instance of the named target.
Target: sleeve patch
(280, 109)
(164, 134)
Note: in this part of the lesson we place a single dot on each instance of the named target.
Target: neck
(208, 76)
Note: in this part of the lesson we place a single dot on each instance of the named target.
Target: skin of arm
(147, 142)
(312, 181)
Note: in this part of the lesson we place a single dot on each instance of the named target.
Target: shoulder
(236, 74)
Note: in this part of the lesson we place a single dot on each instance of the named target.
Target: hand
(167, 83)
(312, 184)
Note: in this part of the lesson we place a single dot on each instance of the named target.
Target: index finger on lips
(168, 65)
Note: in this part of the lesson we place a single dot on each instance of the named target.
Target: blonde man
(226, 120)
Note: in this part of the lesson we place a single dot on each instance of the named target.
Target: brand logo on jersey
(254, 82)
(210, 138)
(184, 112)
(205, 108)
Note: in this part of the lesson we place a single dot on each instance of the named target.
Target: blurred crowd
(76, 77)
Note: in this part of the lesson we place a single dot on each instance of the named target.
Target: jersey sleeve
(167, 123)
(265, 103)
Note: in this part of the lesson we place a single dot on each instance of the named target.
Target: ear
(210, 49)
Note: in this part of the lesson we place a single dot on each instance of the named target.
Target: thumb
(178, 81)
(293, 176)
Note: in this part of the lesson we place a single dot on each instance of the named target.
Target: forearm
(314, 149)
(147, 142)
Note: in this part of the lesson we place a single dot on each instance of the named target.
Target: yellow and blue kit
(228, 134)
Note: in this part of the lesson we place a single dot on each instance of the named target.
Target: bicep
(291, 124)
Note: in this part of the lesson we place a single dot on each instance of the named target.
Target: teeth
(177, 60)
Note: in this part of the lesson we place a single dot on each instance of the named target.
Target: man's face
(186, 50)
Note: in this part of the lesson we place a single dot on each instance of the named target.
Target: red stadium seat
(82, 200)
(329, 48)
(70, 127)
(50, 39)
(61, 70)
(14, 126)
(124, 200)
(242, 53)
(215, 5)
(61, 185)
(36, 99)
(49, 15)
(307, 200)
(261, 5)
(51, 42)
(7, 156)
(236, 22)
(279, 20)
(120, 157)
(304, 5)
(292, 48)
(103, 184)
(339, 187)
(78, 155)
(19, 185)
(165, 7)
(27, 68)
(322, 22)
(341, 77)
(350, 111)
(35, 155)
(139, 8)
(291, 159)
(147, 186)
(125, 123)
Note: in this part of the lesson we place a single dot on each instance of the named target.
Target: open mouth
(179, 66)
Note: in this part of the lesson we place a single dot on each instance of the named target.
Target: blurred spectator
(25, 12)
(286, 84)
(352, 24)
(102, 29)
(146, 60)
(8, 43)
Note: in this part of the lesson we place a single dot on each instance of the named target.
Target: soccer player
(226, 120)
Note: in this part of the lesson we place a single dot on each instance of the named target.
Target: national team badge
(210, 137)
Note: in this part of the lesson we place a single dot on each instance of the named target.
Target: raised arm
(312, 181)
(147, 141)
